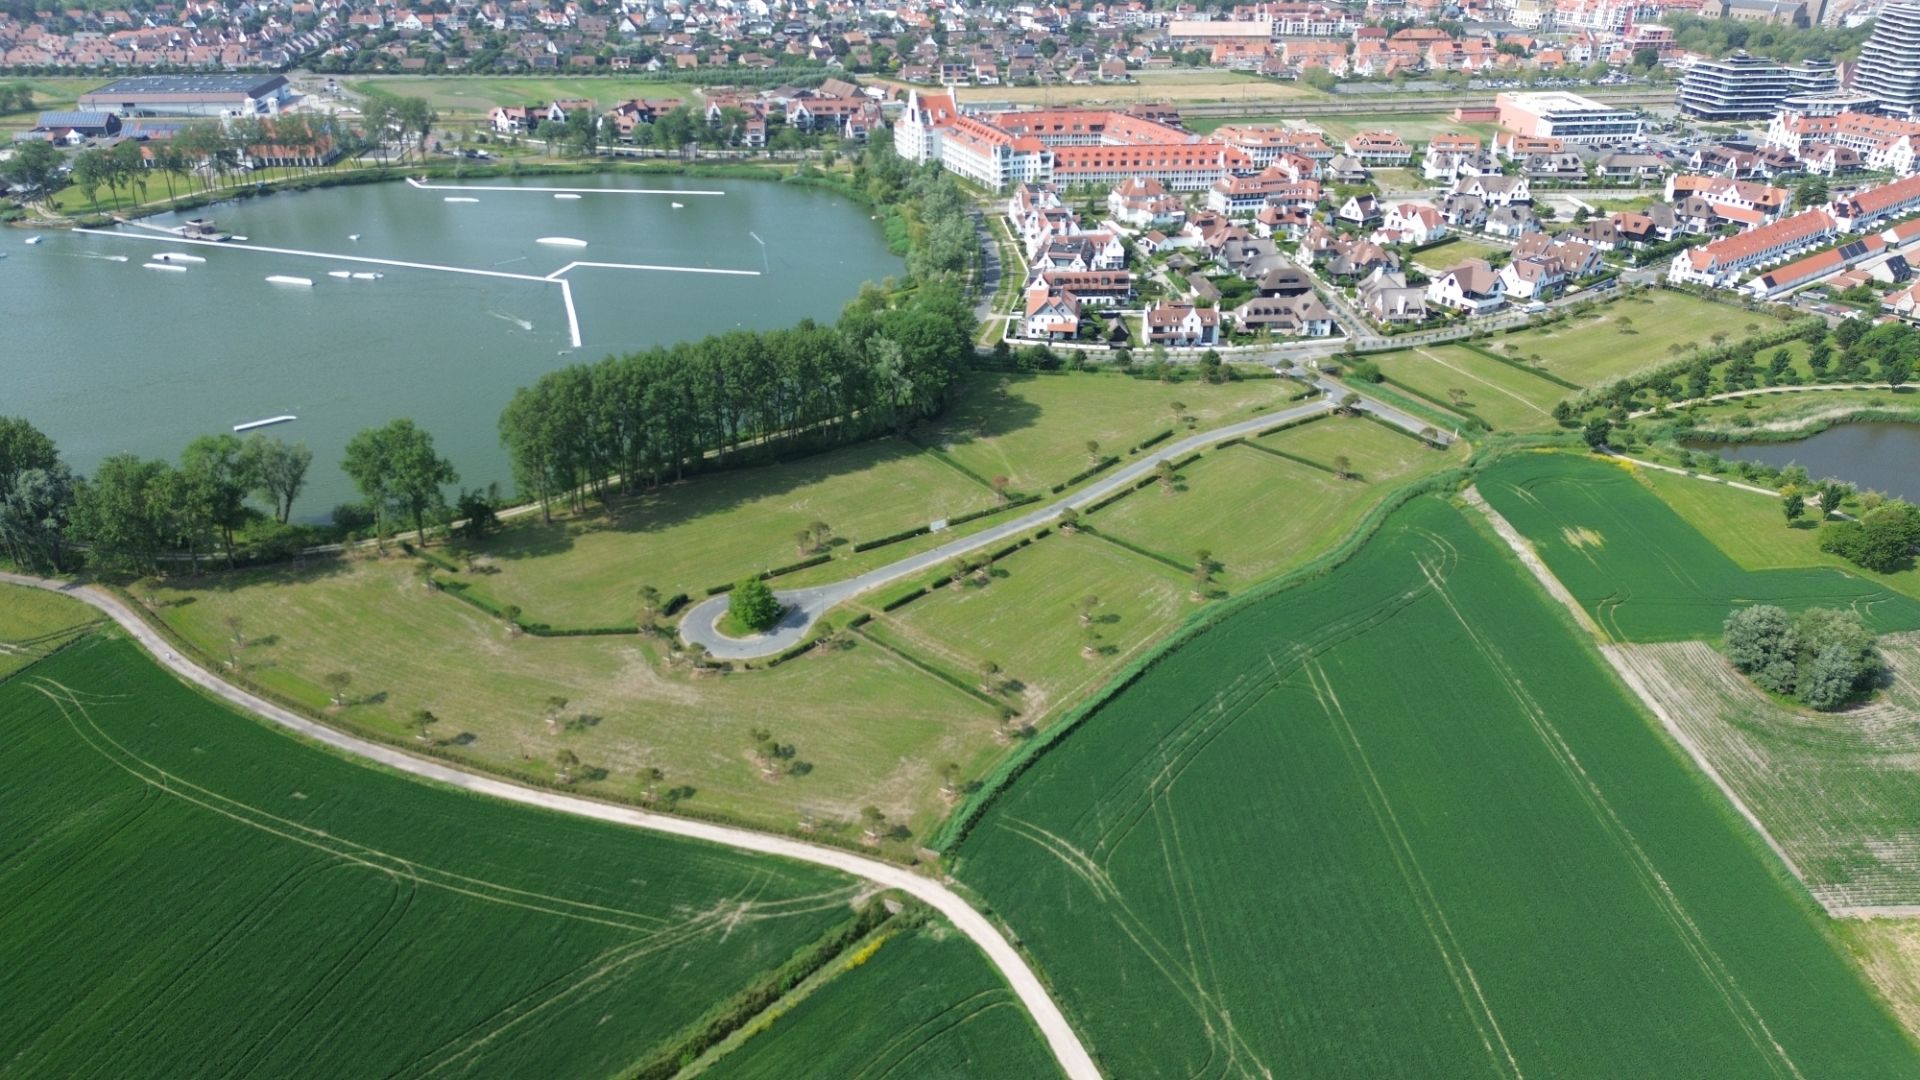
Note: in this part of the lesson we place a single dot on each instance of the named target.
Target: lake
(108, 356)
(1873, 456)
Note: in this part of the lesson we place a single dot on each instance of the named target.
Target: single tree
(651, 603)
(1793, 504)
(1596, 433)
(753, 606)
(567, 765)
(555, 705)
(337, 683)
(421, 720)
(1093, 452)
(1087, 605)
(989, 677)
(1164, 471)
(876, 823)
(1342, 467)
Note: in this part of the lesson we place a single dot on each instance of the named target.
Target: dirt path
(1060, 1036)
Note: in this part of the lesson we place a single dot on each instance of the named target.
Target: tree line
(593, 430)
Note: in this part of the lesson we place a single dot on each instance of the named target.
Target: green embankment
(1642, 570)
(1400, 821)
(188, 891)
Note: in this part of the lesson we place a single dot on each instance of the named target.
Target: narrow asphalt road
(806, 606)
(1061, 1039)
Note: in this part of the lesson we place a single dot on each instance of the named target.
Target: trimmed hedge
(1185, 568)
(1295, 458)
(903, 600)
(716, 590)
(674, 603)
(1102, 465)
(435, 558)
(1518, 366)
(975, 515)
(1154, 440)
(942, 674)
(814, 560)
(892, 538)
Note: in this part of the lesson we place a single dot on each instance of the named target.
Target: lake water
(1881, 457)
(107, 356)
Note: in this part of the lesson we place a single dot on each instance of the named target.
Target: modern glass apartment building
(1889, 67)
(1742, 87)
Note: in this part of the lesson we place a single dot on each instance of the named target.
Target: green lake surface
(107, 356)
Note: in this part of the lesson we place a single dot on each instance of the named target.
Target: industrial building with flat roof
(190, 95)
(1569, 117)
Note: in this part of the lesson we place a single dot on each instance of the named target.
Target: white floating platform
(177, 256)
(678, 205)
(251, 424)
(165, 266)
(289, 279)
(366, 275)
(36, 239)
(565, 195)
(458, 198)
(341, 274)
(561, 241)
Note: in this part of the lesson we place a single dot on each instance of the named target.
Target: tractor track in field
(1061, 1039)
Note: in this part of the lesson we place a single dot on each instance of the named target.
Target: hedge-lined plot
(190, 893)
(1836, 790)
(1507, 397)
(1642, 571)
(923, 1006)
(1399, 821)
(1631, 334)
(34, 622)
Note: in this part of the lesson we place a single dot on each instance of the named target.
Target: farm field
(1033, 429)
(1027, 620)
(224, 897)
(33, 623)
(1591, 351)
(1452, 252)
(1398, 821)
(1836, 790)
(1750, 529)
(873, 729)
(1642, 571)
(1503, 396)
(469, 95)
(1259, 513)
(925, 1006)
(1888, 950)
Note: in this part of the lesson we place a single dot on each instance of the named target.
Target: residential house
(1360, 210)
(1513, 221)
(1052, 313)
(1292, 316)
(1447, 153)
(1472, 287)
(1182, 325)
(1378, 148)
(1723, 261)
(1415, 224)
(1628, 168)
(1387, 298)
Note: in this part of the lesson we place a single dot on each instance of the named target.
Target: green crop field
(1752, 531)
(480, 94)
(1260, 514)
(1504, 396)
(191, 892)
(1835, 790)
(1034, 429)
(924, 1006)
(1593, 350)
(1027, 619)
(874, 729)
(33, 623)
(1644, 573)
(1399, 820)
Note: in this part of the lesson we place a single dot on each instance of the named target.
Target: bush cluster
(1823, 657)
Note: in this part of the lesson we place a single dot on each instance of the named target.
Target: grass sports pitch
(1399, 821)
(1641, 570)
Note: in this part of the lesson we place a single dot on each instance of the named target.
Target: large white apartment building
(1889, 65)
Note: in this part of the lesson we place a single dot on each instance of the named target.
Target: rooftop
(191, 84)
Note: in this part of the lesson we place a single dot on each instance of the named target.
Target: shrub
(1824, 657)
(753, 605)
(1882, 540)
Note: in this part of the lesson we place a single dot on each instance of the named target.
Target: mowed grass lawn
(1399, 820)
(1643, 571)
(874, 729)
(221, 897)
(1034, 429)
(719, 528)
(34, 622)
(1593, 350)
(482, 93)
(1258, 513)
(1504, 396)
(923, 1006)
(1415, 129)
(1170, 86)
(50, 93)
(1027, 619)
(1457, 250)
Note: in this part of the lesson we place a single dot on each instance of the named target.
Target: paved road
(1060, 1036)
(806, 606)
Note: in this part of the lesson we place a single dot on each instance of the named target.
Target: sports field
(191, 893)
(1593, 350)
(1502, 395)
(1399, 821)
(922, 1005)
(872, 728)
(1836, 790)
(33, 623)
(1641, 570)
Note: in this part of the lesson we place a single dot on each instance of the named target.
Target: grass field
(924, 1006)
(224, 898)
(1457, 250)
(1259, 513)
(1802, 410)
(1888, 950)
(1177, 87)
(1416, 129)
(1836, 790)
(49, 93)
(1591, 351)
(33, 623)
(468, 95)
(1399, 821)
(874, 729)
(1033, 429)
(1642, 570)
(1504, 396)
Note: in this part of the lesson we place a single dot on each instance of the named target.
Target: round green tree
(753, 606)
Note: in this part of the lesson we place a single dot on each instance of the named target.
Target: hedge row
(1154, 440)
(1518, 366)
(1168, 560)
(1102, 465)
(942, 674)
(794, 567)
(904, 599)
(1472, 419)
(974, 515)
(961, 822)
(892, 538)
(1285, 424)
(433, 557)
(1295, 458)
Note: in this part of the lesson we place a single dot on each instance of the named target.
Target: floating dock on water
(561, 241)
(251, 424)
(289, 279)
(164, 266)
(177, 257)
